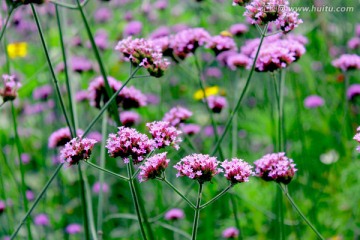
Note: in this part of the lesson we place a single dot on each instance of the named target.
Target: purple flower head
(198, 167)
(221, 43)
(82, 96)
(213, 72)
(238, 29)
(25, 158)
(133, 28)
(161, 4)
(153, 167)
(77, 149)
(224, 56)
(347, 62)
(160, 32)
(240, 2)
(101, 39)
(42, 93)
(353, 91)
(230, 233)
(145, 54)
(177, 115)
(174, 214)
(164, 134)
(73, 228)
(60, 137)
(129, 118)
(288, 21)
(29, 195)
(216, 103)
(313, 101)
(238, 61)
(128, 142)
(275, 167)
(97, 90)
(95, 135)
(2, 206)
(130, 97)
(102, 15)
(42, 220)
(187, 41)
(190, 129)
(10, 87)
(97, 188)
(354, 43)
(237, 170)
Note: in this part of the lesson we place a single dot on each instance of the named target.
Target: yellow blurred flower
(18, 49)
(226, 34)
(209, 91)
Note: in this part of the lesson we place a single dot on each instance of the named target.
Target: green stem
(197, 213)
(84, 204)
(135, 200)
(237, 221)
(22, 170)
(89, 208)
(101, 176)
(228, 123)
(66, 5)
(286, 192)
(11, 9)
(107, 171)
(178, 192)
(113, 108)
(217, 196)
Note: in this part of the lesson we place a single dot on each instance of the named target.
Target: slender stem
(282, 141)
(213, 123)
(217, 145)
(286, 192)
(107, 171)
(22, 170)
(36, 201)
(55, 81)
(135, 200)
(84, 204)
(67, 5)
(237, 221)
(178, 192)
(280, 214)
(11, 9)
(109, 91)
(197, 213)
(2, 104)
(101, 176)
(217, 196)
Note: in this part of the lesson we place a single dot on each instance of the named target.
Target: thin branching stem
(217, 196)
(197, 213)
(177, 191)
(107, 171)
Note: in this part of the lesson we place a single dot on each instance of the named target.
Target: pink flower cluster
(265, 11)
(238, 29)
(237, 170)
(199, 167)
(230, 233)
(143, 53)
(216, 103)
(97, 90)
(153, 167)
(357, 138)
(42, 93)
(177, 115)
(129, 118)
(347, 62)
(9, 90)
(164, 134)
(275, 167)
(77, 149)
(130, 97)
(221, 43)
(61, 136)
(174, 214)
(238, 61)
(313, 101)
(128, 142)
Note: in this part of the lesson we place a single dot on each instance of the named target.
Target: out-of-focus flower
(161, 4)
(77, 149)
(98, 187)
(143, 53)
(128, 142)
(97, 90)
(354, 43)
(357, 30)
(347, 62)
(95, 135)
(153, 167)
(240, 2)
(102, 15)
(164, 134)
(353, 91)
(19, 49)
(221, 43)
(224, 56)
(237, 170)
(230, 233)
(29, 195)
(160, 32)
(73, 228)
(238, 61)
(2, 206)
(313, 101)
(238, 29)
(329, 157)
(177, 115)
(213, 72)
(130, 97)
(174, 214)
(82, 96)
(42, 93)
(198, 167)
(25, 158)
(129, 118)
(275, 167)
(190, 129)
(133, 28)
(9, 90)
(41, 220)
(209, 130)
(209, 91)
(60, 137)
(216, 103)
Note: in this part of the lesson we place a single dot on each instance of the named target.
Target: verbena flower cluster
(237, 170)
(77, 149)
(153, 167)
(61, 136)
(347, 62)
(221, 43)
(143, 53)
(216, 103)
(164, 134)
(97, 91)
(177, 115)
(275, 167)
(10, 86)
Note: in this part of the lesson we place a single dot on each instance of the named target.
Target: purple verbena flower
(10, 87)
(129, 118)
(347, 62)
(216, 103)
(174, 214)
(60, 137)
(177, 115)
(230, 233)
(164, 134)
(77, 149)
(41, 220)
(153, 167)
(237, 170)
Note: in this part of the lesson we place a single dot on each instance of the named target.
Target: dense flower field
(162, 119)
